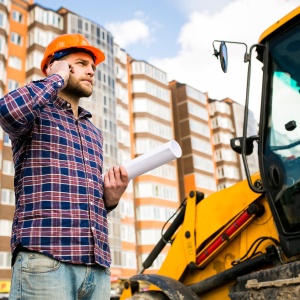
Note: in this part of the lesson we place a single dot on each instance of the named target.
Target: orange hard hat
(68, 43)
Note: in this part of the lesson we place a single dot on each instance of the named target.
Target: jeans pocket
(39, 263)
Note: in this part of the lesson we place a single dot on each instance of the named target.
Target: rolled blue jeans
(38, 277)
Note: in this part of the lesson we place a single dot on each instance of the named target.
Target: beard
(75, 88)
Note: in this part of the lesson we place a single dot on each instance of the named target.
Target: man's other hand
(115, 183)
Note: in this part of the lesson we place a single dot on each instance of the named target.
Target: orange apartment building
(127, 212)
(156, 193)
(196, 168)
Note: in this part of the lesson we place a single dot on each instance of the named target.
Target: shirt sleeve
(109, 208)
(19, 108)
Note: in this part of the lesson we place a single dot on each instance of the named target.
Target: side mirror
(223, 56)
(223, 53)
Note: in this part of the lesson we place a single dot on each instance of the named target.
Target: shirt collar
(63, 104)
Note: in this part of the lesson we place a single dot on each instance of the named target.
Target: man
(60, 233)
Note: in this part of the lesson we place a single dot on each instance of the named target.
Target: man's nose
(90, 71)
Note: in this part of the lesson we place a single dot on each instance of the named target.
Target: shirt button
(90, 180)
(93, 228)
(59, 83)
(68, 104)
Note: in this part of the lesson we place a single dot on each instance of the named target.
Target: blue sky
(176, 36)
(162, 18)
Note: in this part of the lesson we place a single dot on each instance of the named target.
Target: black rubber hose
(236, 271)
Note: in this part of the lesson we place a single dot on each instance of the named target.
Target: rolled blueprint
(153, 159)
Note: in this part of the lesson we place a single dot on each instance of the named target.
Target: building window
(34, 60)
(228, 172)
(15, 62)
(116, 257)
(145, 86)
(139, 67)
(149, 236)
(7, 197)
(12, 85)
(5, 260)
(54, 19)
(1, 135)
(152, 107)
(99, 75)
(17, 16)
(7, 141)
(156, 128)
(195, 94)
(79, 24)
(8, 167)
(203, 163)
(206, 182)
(5, 227)
(1, 20)
(40, 37)
(127, 209)
(158, 261)
(127, 233)
(152, 213)
(152, 190)
(201, 145)
(46, 17)
(198, 111)
(128, 260)
(199, 127)
(16, 38)
(2, 45)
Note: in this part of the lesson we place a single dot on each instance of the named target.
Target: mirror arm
(251, 185)
(217, 53)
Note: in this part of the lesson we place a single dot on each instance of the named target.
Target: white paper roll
(153, 159)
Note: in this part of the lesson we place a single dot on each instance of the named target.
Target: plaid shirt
(58, 184)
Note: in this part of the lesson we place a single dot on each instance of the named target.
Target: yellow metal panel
(212, 213)
(261, 226)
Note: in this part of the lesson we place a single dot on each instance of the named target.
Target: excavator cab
(280, 133)
(279, 130)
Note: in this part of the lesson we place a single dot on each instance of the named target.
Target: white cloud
(240, 20)
(129, 32)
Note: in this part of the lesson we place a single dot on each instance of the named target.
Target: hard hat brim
(99, 56)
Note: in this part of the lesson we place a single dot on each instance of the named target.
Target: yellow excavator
(244, 241)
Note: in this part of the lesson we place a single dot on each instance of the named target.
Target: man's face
(82, 70)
